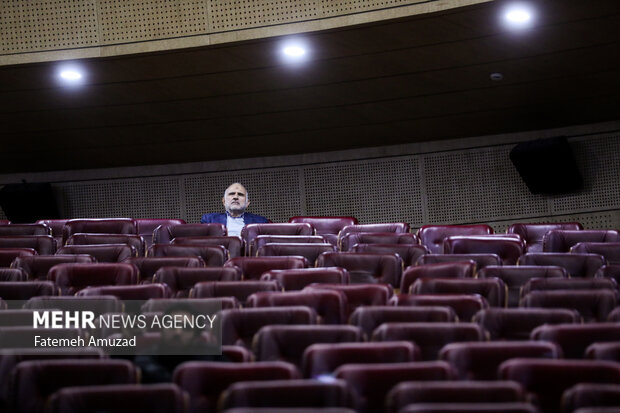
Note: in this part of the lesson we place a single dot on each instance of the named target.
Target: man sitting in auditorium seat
(235, 201)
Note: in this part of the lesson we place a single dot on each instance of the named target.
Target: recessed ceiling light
(518, 16)
(70, 75)
(496, 77)
(294, 51)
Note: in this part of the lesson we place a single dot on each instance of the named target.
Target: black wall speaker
(28, 202)
(547, 166)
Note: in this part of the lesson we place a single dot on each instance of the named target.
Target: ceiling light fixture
(71, 75)
(294, 51)
(518, 16)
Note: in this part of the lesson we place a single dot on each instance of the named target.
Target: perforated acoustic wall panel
(231, 15)
(32, 25)
(605, 220)
(372, 191)
(329, 7)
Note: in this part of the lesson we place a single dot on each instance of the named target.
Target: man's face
(235, 200)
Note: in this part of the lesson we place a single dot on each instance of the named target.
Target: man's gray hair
(247, 193)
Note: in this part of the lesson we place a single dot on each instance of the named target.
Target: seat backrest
(73, 277)
(102, 252)
(518, 323)
(601, 395)
(164, 234)
(241, 290)
(609, 271)
(465, 305)
(369, 318)
(481, 260)
(98, 305)
(201, 305)
(563, 240)
(148, 266)
(366, 267)
(349, 240)
(609, 250)
(574, 339)
(204, 381)
(410, 253)
(492, 289)
(18, 290)
(234, 245)
(13, 274)
(133, 240)
(251, 231)
(604, 351)
(253, 267)
(432, 236)
(212, 255)
(546, 284)
(358, 294)
(24, 229)
(401, 227)
(261, 240)
(37, 266)
(182, 279)
(592, 305)
(533, 233)
(146, 226)
(98, 226)
(297, 279)
(325, 225)
(56, 226)
(508, 249)
(42, 244)
(577, 265)
(128, 292)
(330, 305)
(240, 325)
(462, 269)
(307, 250)
(8, 255)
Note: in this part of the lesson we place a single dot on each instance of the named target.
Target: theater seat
(204, 381)
(212, 255)
(430, 337)
(508, 249)
(146, 226)
(563, 240)
(609, 271)
(103, 252)
(200, 305)
(609, 250)
(518, 323)
(365, 267)
(398, 227)
(98, 226)
(234, 245)
(465, 305)
(515, 276)
(56, 226)
(533, 233)
(133, 240)
(37, 266)
(329, 227)
(261, 240)
(297, 279)
(482, 407)
(577, 265)
(548, 379)
(432, 236)
(42, 244)
(574, 339)
(371, 391)
(8, 255)
(309, 251)
(32, 382)
(148, 266)
(481, 260)
(240, 325)
(237, 354)
(358, 294)
(71, 278)
(329, 305)
(153, 398)
(590, 395)
(24, 229)
(19, 290)
(324, 359)
(592, 305)
(480, 360)
(253, 267)
(609, 351)
(241, 290)
(410, 253)
(544, 284)
(464, 269)
(492, 289)
(251, 231)
(164, 234)
(128, 292)
(288, 342)
(369, 318)
(13, 274)
(182, 279)
(348, 241)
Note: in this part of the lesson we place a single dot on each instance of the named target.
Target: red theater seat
(101, 253)
(37, 266)
(251, 231)
(42, 244)
(508, 249)
(609, 271)
(492, 289)
(154, 398)
(204, 381)
(164, 234)
(382, 227)
(365, 267)
(20, 290)
(609, 250)
(358, 294)
(329, 305)
(182, 279)
(71, 278)
(464, 269)
(574, 339)
(410, 253)
(548, 379)
(518, 323)
(372, 382)
(348, 241)
(432, 236)
(369, 318)
(593, 305)
(577, 265)
(8, 255)
(148, 266)
(212, 255)
(297, 279)
(240, 325)
(510, 407)
(56, 226)
(241, 290)
(481, 260)
(234, 245)
(465, 305)
(33, 381)
(323, 359)
(128, 292)
(604, 351)
(515, 276)
(288, 342)
(430, 337)
(24, 229)
(329, 227)
(544, 284)
(98, 226)
(13, 274)
(237, 354)
(533, 234)
(309, 251)
(201, 305)
(133, 240)
(479, 361)
(146, 226)
(253, 267)
(563, 240)
(591, 395)
(261, 240)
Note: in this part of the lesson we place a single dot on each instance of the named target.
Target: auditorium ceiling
(414, 79)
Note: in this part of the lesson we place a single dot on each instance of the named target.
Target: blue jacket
(220, 218)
